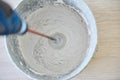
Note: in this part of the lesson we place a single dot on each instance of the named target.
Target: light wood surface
(105, 65)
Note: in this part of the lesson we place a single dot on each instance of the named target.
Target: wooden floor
(105, 64)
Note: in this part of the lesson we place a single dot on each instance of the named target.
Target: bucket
(69, 21)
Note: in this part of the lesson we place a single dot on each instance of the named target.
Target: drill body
(10, 22)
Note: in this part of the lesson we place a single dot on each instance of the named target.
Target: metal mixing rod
(40, 34)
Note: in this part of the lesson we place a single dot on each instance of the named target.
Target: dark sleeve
(7, 9)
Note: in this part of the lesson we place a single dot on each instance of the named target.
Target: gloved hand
(10, 22)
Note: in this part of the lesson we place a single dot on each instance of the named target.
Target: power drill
(10, 22)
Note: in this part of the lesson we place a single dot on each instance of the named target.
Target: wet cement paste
(55, 58)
